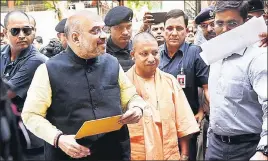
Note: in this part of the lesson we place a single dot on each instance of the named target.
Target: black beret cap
(204, 15)
(60, 26)
(255, 5)
(118, 15)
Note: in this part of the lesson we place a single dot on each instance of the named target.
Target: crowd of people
(173, 105)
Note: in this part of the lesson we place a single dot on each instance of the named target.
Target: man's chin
(174, 43)
(124, 40)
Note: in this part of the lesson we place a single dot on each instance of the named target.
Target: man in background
(55, 46)
(119, 20)
(156, 29)
(205, 20)
(38, 42)
(3, 38)
(256, 8)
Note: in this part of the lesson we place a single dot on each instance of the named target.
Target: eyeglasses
(205, 25)
(98, 30)
(26, 30)
(230, 24)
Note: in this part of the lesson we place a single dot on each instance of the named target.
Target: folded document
(99, 126)
(234, 40)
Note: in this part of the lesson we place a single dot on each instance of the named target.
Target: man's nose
(225, 29)
(174, 32)
(125, 31)
(159, 31)
(103, 35)
(151, 59)
(210, 28)
(21, 34)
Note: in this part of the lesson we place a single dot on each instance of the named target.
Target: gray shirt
(238, 94)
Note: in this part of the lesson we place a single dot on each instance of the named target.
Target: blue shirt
(238, 93)
(195, 69)
(19, 73)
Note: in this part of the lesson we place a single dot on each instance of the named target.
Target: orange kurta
(167, 118)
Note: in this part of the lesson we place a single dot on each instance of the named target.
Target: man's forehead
(208, 21)
(158, 25)
(18, 19)
(148, 44)
(227, 14)
(179, 21)
(98, 23)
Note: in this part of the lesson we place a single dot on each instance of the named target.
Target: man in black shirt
(119, 19)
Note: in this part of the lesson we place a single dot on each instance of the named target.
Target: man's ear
(132, 55)
(75, 38)
(5, 32)
(58, 35)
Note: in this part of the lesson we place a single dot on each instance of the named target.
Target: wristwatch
(263, 149)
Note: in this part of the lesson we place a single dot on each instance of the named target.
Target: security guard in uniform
(55, 46)
(256, 8)
(119, 19)
(205, 20)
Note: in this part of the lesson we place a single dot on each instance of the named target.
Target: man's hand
(259, 156)
(199, 116)
(68, 144)
(147, 21)
(264, 41)
(132, 116)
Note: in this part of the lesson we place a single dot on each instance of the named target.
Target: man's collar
(24, 53)
(116, 48)
(181, 49)
(79, 60)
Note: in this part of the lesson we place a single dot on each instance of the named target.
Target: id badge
(182, 80)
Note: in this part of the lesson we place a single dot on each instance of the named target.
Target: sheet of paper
(229, 42)
(99, 126)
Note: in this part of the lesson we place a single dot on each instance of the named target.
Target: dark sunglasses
(26, 30)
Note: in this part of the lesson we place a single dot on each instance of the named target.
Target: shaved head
(32, 20)
(145, 54)
(143, 37)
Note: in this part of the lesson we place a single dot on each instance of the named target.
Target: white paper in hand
(237, 39)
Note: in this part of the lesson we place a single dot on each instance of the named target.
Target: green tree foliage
(137, 5)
